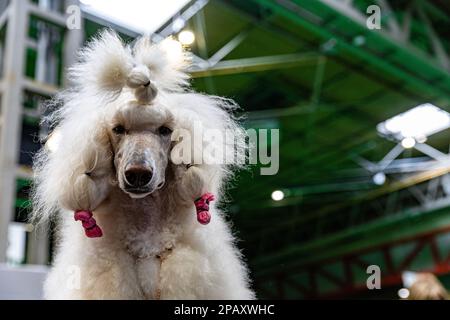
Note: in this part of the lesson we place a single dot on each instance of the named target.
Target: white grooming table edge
(22, 282)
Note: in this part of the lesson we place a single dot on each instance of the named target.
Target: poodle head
(115, 123)
(140, 137)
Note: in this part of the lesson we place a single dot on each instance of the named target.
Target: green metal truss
(411, 66)
(389, 229)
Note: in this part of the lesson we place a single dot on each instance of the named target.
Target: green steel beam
(325, 211)
(383, 231)
(409, 66)
(431, 8)
(297, 195)
(355, 142)
(415, 59)
(256, 64)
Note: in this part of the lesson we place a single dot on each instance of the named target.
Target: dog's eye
(119, 129)
(163, 130)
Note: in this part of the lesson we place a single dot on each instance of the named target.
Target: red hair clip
(202, 207)
(91, 229)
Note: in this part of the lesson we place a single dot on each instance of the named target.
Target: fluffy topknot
(107, 65)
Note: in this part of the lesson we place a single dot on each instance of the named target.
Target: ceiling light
(136, 15)
(359, 41)
(278, 195)
(403, 293)
(379, 178)
(419, 123)
(408, 143)
(186, 37)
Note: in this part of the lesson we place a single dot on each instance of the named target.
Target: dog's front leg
(148, 273)
(186, 274)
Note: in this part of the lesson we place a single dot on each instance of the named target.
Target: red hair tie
(91, 229)
(202, 206)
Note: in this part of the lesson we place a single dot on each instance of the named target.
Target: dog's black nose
(138, 177)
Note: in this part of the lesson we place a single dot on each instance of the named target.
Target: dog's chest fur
(146, 229)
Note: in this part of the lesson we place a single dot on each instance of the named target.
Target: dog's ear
(76, 175)
(90, 180)
(167, 62)
(219, 156)
(104, 65)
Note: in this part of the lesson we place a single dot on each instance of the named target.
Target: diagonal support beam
(436, 43)
(228, 47)
(255, 64)
(394, 27)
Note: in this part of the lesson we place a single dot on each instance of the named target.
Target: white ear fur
(192, 111)
(104, 66)
(193, 183)
(60, 176)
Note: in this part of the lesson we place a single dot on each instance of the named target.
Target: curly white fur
(152, 247)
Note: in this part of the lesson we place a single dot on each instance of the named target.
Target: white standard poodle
(116, 131)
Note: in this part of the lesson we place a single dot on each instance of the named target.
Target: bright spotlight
(419, 123)
(173, 48)
(379, 178)
(403, 293)
(408, 143)
(278, 195)
(144, 17)
(186, 37)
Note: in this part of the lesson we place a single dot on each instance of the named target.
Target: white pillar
(73, 41)
(11, 116)
(38, 245)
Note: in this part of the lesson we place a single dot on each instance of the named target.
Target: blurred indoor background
(364, 139)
